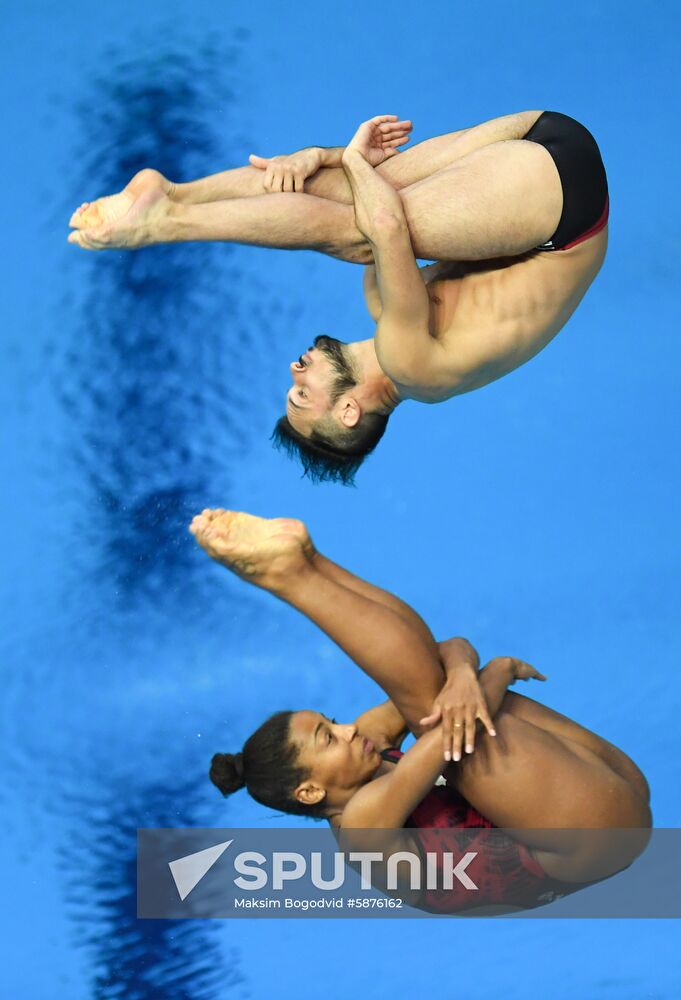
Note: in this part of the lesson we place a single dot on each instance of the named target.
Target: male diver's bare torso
(493, 316)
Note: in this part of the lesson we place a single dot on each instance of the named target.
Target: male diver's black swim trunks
(582, 175)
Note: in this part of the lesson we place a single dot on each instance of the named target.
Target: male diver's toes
(77, 219)
(84, 238)
(95, 239)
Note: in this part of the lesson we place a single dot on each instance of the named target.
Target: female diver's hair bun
(227, 772)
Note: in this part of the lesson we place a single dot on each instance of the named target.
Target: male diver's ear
(310, 794)
(350, 412)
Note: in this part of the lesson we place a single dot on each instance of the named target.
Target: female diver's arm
(460, 699)
(384, 724)
(387, 802)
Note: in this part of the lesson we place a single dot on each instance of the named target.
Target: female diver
(567, 794)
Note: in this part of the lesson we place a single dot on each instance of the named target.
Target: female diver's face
(339, 759)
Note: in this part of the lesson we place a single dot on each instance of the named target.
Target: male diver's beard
(343, 374)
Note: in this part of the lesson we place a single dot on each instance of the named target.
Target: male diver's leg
(457, 201)
(434, 155)
(143, 215)
(500, 200)
(408, 167)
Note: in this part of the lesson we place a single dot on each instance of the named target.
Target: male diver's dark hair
(267, 767)
(324, 461)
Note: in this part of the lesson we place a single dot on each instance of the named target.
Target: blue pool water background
(537, 516)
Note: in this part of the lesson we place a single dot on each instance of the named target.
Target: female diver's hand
(458, 706)
(288, 173)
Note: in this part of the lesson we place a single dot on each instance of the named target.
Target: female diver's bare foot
(263, 551)
(129, 219)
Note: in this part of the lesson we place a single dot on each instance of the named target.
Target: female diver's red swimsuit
(504, 871)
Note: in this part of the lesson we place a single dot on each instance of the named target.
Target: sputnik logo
(187, 872)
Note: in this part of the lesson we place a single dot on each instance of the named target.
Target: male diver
(514, 212)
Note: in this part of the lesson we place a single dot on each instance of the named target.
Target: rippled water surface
(537, 516)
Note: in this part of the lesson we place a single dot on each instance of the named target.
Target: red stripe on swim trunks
(594, 229)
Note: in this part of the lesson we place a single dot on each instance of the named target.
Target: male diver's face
(320, 376)
(309, 398)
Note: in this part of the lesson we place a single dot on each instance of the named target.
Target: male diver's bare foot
(263, 551)
(129, 219)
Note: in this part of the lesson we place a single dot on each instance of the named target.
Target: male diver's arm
(288, 172)
(371, 293)
(404, 347)
(331, 156)
(374, 198)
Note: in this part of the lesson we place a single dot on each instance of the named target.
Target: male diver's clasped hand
(288, 172)
(379, 138)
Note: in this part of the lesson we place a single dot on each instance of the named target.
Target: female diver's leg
(347, 579)
(554, 793)
(278, 556)
(560, 725)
